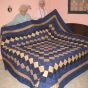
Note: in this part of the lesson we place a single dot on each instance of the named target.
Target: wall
(62, 7)
(5, 16)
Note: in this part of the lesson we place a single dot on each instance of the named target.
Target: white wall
(62, 7)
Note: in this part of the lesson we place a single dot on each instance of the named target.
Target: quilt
(44, 53)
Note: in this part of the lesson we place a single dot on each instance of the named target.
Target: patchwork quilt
(44, 53)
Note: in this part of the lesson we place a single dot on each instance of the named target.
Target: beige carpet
(8, 81)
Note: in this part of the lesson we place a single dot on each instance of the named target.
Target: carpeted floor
(8, 81)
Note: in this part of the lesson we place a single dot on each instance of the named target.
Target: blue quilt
(44, 53)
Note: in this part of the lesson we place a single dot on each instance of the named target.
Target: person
(23, 16)
(41, 12)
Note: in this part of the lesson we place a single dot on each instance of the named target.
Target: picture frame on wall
(78, 6)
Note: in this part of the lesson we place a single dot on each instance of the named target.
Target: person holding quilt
(23, 16)
(41, 12)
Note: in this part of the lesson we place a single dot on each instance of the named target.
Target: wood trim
(80, 29)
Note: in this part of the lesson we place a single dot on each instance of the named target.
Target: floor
(8, 81)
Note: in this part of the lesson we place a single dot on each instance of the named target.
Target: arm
(28, 17)
(13, 22)
(46, 12)
(35, 15)
(4, 25)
